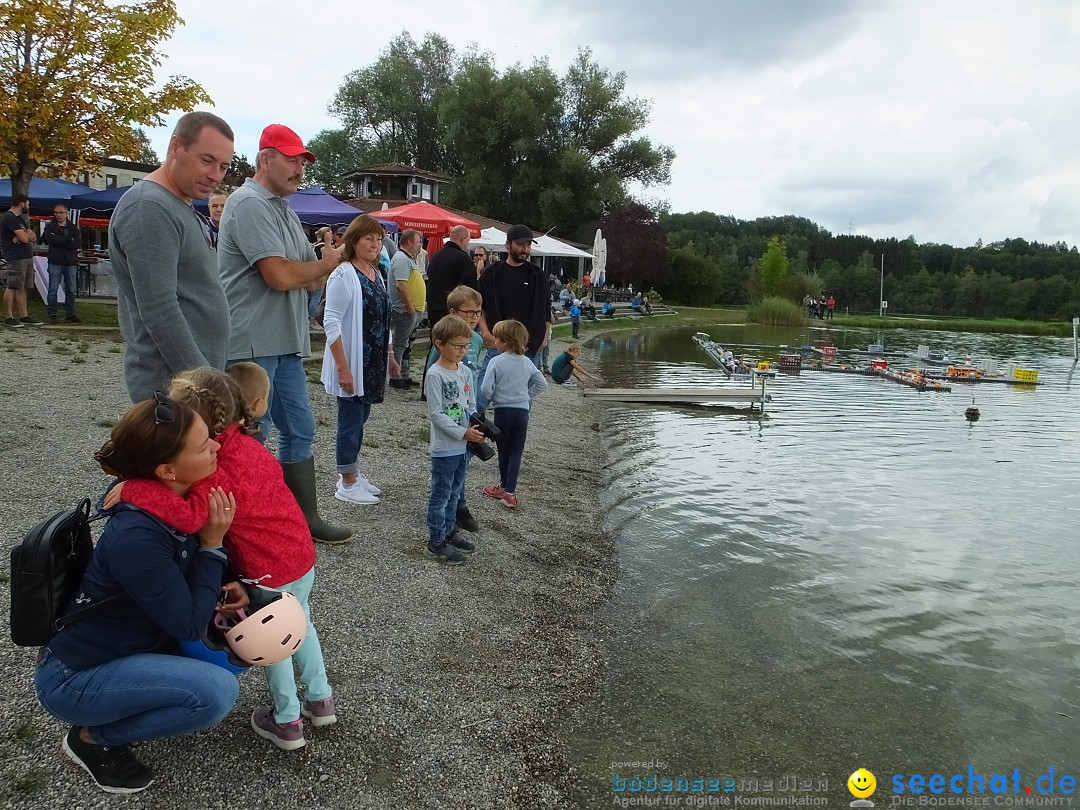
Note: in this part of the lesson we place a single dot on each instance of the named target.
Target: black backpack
(46, 568)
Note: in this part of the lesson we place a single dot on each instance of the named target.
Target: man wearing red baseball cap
(267, 267)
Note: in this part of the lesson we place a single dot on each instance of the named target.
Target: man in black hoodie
(63, 239)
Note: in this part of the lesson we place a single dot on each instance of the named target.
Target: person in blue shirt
(114, 675)
(608, 310)
(575, 317)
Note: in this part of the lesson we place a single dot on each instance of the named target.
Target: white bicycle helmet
(270, 634)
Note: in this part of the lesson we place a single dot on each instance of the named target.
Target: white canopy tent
(495, 239)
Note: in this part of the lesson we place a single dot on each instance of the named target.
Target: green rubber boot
(300, 478)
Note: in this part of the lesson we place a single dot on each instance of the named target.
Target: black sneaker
(458, 541)
(13, 323)
(445, 553)
(28, 321)
(52, 319)
(398, 383)
(72, 319)
(113, 767)
(466, 521)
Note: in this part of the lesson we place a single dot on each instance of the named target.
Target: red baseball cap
(280, 137)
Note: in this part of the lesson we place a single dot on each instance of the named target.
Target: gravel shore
(452, 684)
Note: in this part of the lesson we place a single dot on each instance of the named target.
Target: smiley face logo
(861, 783)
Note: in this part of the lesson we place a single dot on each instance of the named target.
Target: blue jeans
(447, 484)
(309, 659)
(482, 402)
(352, 414)
(67, 273)
(290, 409)
(148, 696)
(314, 303)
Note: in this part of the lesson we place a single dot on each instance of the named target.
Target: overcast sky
(950, 120)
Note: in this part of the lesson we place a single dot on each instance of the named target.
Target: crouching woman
(113, 675)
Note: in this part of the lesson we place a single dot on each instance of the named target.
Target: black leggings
(514, 424)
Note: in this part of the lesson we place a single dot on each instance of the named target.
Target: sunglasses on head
(163, 411)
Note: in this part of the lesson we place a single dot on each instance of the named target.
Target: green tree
(772, 268)
(239, 170)
(75, 76)
(338, 154)
(391, 107)
(694, 280)
(144, 150)
(523, 144)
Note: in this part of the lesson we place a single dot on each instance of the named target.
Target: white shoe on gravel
(355, 494)
(367, 484)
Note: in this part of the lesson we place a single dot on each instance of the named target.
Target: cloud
(950, 121)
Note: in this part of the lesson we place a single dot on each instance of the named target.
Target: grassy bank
(996, 326)
(683, 316)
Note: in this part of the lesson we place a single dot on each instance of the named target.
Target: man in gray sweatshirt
(173, 311)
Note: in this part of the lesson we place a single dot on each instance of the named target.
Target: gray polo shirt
(401, 267)
(265, 322)
(173, 312)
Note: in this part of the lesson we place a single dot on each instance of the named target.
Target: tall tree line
(719, 255)
(523, 144)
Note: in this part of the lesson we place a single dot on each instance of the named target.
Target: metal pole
(1076, 326)
(881, 290)
(763, 396)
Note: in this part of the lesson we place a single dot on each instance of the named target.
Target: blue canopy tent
(102, 201)
(44, 193)
(312, 205)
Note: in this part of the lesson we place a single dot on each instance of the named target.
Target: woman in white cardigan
(358, 352)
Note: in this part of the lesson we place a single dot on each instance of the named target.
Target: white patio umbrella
(599, 256)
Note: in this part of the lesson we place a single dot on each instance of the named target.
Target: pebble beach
(452, 683)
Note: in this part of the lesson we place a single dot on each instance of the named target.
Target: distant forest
(713, 258)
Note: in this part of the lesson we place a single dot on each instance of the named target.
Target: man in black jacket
(515, 288)
(450, 266)
(63, 239)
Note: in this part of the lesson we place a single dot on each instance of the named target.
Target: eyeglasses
(459, 346)
(163, 412)
(470, 313)
(480, 255)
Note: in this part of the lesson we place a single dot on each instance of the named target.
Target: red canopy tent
(430, 220)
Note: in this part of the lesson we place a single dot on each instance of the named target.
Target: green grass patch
(91, 313)
(1005, 326)
(774, 311)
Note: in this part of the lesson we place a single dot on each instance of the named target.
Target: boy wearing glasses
(466, 303)
(450, 401)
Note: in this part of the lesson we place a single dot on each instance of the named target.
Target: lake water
(861, 578)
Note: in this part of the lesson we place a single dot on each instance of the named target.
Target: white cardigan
(344, 318)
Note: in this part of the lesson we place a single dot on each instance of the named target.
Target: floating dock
(753, 396)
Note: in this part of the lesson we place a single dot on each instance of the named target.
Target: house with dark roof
(396, 183)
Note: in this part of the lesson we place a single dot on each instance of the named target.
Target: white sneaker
(355, 494)
(365, 482)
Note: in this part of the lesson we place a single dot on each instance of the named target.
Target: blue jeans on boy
(67, 273)
(148, 696)
(447, 485)
(290, 409)
(309, 659)
(352, 414)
